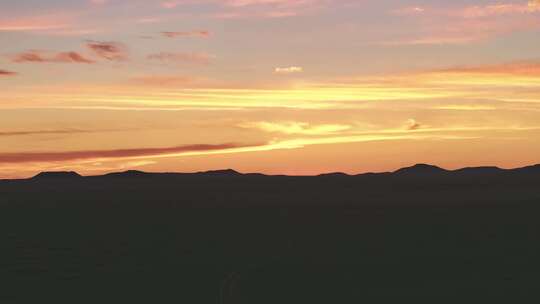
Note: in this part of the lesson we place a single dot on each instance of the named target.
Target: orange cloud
(43, 57)
(525, 68)
(113, 51)
(36, 157)
(49, 132)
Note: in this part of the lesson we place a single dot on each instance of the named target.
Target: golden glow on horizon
(422, 85)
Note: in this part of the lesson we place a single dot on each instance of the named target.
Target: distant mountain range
(418, 170)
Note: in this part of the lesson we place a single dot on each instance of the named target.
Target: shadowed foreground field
(419, 235)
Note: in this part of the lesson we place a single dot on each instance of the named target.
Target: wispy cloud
(294, 127)
(48, 132)
(531, 68)
(35, 23)
(6, 73)
(109, 50)
(269, 8)
(467, 24)
(35, 56)
(178, 34)
(36, 157)
(288, 70)
(240, 9)
(479, 11)
(409, 10)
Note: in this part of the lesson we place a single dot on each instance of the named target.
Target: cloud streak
(6, 73)
(34, 23)
(288, 70)
(190, 34)
(290, 128)
(37, 157)
(467, 24)
(35, 56)
(49, 132)
(530, 68)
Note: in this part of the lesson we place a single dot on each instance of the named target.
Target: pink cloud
(170, 4)
(44, 57)
(468, 24)
(497, 10)
(34, 23)
(287, 3)
(229, 9)
(197, 34)
(472, 11)
(59, 23)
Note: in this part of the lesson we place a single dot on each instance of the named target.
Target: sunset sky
(273, 86)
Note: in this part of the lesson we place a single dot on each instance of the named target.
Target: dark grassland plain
(418, 235)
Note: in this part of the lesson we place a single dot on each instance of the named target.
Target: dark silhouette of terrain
(57, 175)
(421, 234)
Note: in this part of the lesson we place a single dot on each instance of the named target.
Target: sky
(297, 87)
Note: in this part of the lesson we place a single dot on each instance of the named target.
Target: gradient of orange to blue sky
(273, 86)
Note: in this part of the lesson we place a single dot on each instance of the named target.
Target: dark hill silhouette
(129, 174)
(477, 170)
(529, 169)
(419, 235)
(58, 175)
(420, 169)
(334, 174)
(480, 171)
(142, 174)
(222, 173)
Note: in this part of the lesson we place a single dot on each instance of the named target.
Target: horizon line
(233, 171)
